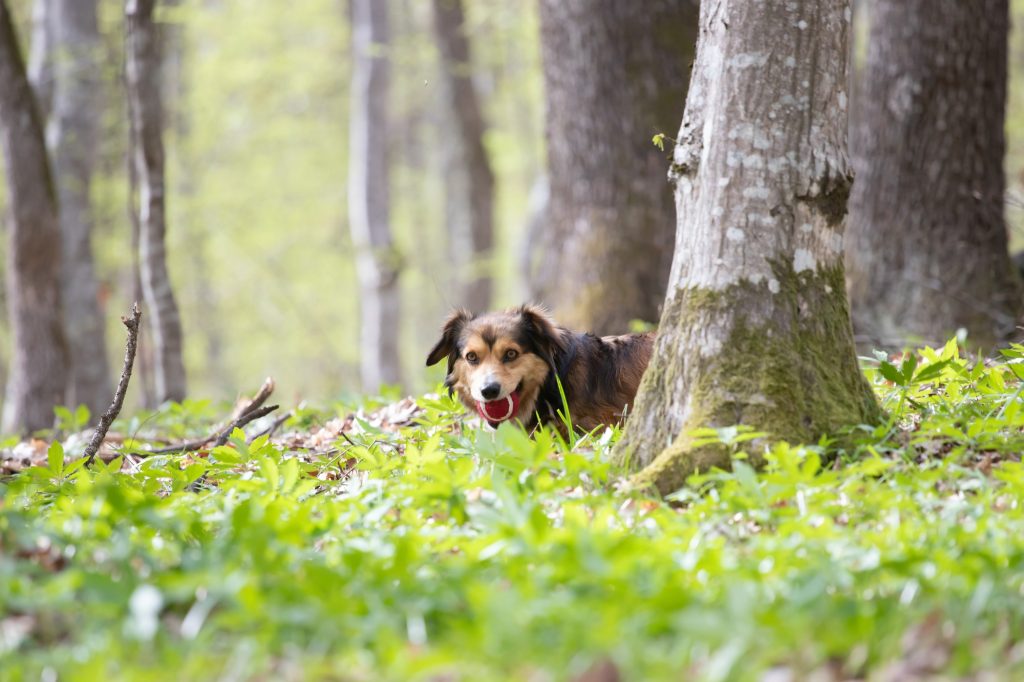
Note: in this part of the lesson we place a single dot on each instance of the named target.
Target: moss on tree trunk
(784, 375)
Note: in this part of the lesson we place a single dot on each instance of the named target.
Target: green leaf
(55, 458)
(889, 371)
(931, 372)
(907, 367)
(268, 468)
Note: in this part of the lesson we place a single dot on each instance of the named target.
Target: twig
(269, 431)
(110, 415)
(257, 401)
(250, 411)
(187, 445)
(246, 417)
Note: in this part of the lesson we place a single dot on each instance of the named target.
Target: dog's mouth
(502, 409)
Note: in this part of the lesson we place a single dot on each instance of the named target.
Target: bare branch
(247, 417)
(257, 401)
(110, 415)
(269, 431)
(250, 411)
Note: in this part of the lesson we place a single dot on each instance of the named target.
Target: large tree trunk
(73, 150)
(39, 354)
(144, 97)
(927, 248)
(756, 329)
(615, 75)
(377, 261)
(469, 179)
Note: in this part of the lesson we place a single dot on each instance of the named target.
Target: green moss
(787, 368)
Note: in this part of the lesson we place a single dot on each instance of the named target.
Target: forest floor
(406, 541)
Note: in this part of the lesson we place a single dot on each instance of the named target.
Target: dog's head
(498, 362)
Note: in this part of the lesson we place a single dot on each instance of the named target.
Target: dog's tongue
(497, 411)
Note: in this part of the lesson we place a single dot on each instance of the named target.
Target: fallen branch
(110, 415)
(248, 412)
(247, 417)
(261, 397)
(269, 431)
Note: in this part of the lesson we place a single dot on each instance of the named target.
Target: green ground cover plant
(439, 549)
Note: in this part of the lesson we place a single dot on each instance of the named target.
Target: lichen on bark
(787, 373)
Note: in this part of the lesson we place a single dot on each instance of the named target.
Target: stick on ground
(132, 323)
(248, 412)
(248, 416)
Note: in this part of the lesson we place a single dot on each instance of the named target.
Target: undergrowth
(445, 550)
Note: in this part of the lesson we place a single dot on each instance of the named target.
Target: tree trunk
(756, 328)
(144, 97)
(39, 354)
(377, 260)
(40, 58)
(615, 75)
(73, 150)
(927, 247)
(470, 181)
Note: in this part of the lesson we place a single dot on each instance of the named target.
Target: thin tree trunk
(40, 59)
(377, 261)
(469, 179)
(73, 150)
(144, 96)
(176, 56)
(927, 246)
(144, 354)
(39, 355)
(615, 74)
(756, 328)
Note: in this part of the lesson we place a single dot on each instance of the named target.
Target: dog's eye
(510, 355)
(471, 358)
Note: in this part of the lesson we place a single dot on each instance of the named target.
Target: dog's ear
(447, 345)
(541, 331)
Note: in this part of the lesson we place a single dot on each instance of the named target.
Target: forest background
(257, 101)
(260, 254)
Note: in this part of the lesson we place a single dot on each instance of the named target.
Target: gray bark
(40, 59)
(615, 74)
(73, 131)
(377, 260)
(145, 101)
(468, 177)
(39, 354)
(927, 245)
(756, 327)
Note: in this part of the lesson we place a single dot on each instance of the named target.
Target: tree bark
(73, 151)
(145, 101)
(40, 58)
(615, 74)
(927, 247)
(469, 178)
(377, 260)
(39, 354)
(756, 328)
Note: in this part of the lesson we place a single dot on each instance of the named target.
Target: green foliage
(448, 548)
(72, 420)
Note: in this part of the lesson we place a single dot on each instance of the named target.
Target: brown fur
(599, 376)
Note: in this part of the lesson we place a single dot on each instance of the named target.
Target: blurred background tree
(378, 260)
(469, 180)
(38, 357)
(66, 76)
(927, 245)
(256, 96)
(615, 75)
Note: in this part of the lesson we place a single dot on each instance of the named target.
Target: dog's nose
(491, 391)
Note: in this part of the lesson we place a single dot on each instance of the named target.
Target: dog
(507, 366)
